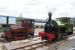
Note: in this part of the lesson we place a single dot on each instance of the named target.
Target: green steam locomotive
(57, 29)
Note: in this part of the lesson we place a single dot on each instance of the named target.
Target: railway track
(31, 44)
(25, 44)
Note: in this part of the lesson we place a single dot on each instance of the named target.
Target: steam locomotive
(58, 29)
(23, 31)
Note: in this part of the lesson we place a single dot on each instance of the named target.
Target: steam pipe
(7, 22)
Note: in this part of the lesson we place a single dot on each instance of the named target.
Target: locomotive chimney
(50, 14)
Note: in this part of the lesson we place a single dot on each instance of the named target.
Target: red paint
(50, 36)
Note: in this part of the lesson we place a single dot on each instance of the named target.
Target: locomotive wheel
(69, 33)
(64, 36)
(58, 37)
(46, 38)
(7, 39)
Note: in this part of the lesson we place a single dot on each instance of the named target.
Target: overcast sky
(37, 9)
